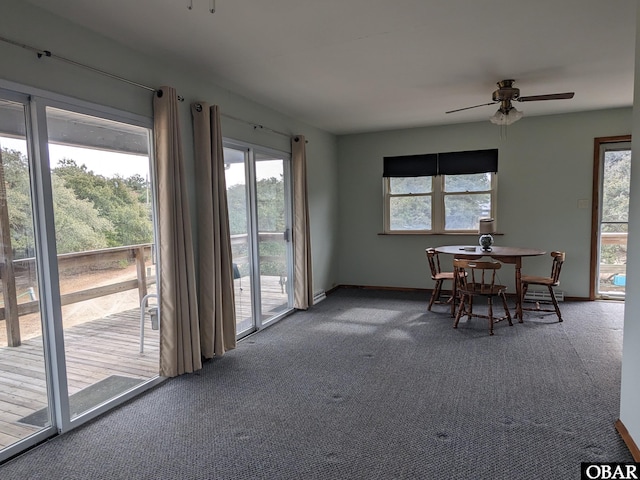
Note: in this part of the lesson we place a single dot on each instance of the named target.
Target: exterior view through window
(259, 200)
(615, 174)
(444, 203)
(77, 230)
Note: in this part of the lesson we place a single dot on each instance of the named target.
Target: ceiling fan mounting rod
(505, 106)
(506, 91)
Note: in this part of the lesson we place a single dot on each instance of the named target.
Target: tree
(78, 225)
(615, 198)
(121, 201)
(271, 218)
(615, 203)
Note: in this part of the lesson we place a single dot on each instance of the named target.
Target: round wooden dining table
(508, 255)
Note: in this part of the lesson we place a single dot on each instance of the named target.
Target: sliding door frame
(35, 102)
(250, 152)
(596, 206)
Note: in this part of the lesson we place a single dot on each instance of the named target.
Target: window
(77, 224)
(439, 193)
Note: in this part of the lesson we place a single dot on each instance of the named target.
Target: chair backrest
(470, 273)
(558, 260)
(434, 261)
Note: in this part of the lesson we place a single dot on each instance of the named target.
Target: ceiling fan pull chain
(212, 5)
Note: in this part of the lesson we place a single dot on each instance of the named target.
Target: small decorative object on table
(486, 228)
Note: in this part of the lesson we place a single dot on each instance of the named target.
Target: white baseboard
(319, 296)
(543, 296)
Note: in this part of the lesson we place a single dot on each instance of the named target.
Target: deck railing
(242, 240)
(609, 272)
(12, 310)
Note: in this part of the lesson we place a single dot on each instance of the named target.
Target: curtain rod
(48, 53)
(257, 126)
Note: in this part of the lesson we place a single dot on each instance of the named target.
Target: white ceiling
(362, 65)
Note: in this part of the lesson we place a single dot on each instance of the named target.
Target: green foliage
(16, 178)
(465, 201)
(410, 213)
(615, 190)
(79, 227)
(237, 205)
(409, 185)
(271, 218)
(475, 182)
(615, 203)
(270, 193)
(463, 212)
(117, 199)
(90, 211)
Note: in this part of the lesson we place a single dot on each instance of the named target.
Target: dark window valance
(411, 166)
(473, 161)
(449, 163)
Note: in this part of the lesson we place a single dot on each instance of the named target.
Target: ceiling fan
(507, 93)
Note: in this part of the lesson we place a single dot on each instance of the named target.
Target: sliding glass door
(78, 266)
(258, 193)
(613, 221)
(23, 375)
(103, 229)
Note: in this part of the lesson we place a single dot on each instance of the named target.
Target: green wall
(545, 166)
(26, 24)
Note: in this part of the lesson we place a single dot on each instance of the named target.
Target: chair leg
(460, 310)
(490, 302)
(524, 288)
(506, 308)
(435, 293)
(555, 303)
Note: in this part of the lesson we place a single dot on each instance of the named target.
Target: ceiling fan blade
(551, 96)
(475, 106)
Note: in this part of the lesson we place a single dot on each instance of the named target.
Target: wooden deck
(94, 351)
(274, 300)
(98, 349)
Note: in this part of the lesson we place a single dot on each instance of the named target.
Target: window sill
(451, 234)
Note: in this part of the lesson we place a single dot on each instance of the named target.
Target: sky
(107, 164)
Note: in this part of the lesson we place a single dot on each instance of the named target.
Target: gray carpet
(368, 385)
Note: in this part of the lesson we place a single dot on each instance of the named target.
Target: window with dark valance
(439, 192)
(449, 163)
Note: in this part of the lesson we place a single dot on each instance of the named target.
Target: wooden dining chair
(478, 279)
(551, 281)
(438, 276)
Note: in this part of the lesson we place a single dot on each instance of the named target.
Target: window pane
(410, 213)
(406, 185)
(103, 219)
(615, 199)
(462, 212)
(476, 182)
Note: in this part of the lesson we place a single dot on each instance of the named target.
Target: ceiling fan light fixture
(506, 118)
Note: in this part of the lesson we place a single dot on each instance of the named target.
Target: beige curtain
(216, 300)
(179, 333)
(303, 288)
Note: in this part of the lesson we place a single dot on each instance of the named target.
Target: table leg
(454, 294)
(518, 290)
